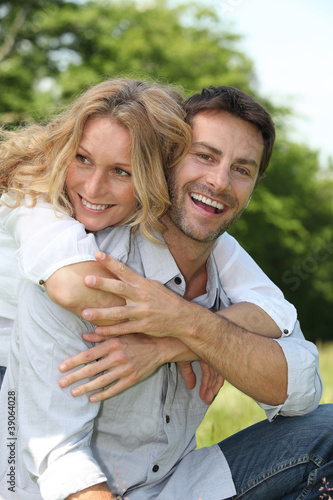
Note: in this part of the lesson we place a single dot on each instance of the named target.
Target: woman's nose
(95, 185)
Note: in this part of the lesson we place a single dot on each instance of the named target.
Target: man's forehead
(208, 123)
(218, 117)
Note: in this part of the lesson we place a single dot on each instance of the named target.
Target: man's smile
(208, 204)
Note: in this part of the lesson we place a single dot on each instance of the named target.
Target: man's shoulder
(115, 241)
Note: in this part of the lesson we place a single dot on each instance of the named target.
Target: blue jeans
(286, 459)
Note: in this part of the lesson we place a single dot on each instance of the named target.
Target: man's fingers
(218, 385)
(119, 386)
(187, 374)
(115, 314)
(88, 371)
(118, 268)
(95, 384)
(110, 285)
(93, 337)
(82, 358)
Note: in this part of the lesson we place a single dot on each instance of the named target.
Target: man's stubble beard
(178, 217)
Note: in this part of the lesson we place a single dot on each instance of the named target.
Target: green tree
(72, 45)
(287, 228)
(25, 58)
(52, 49)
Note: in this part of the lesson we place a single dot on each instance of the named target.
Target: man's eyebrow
(243, 161)
(208, 147)
(247, 161)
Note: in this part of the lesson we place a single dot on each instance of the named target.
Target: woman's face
(99, 179)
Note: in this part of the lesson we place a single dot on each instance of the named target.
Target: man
(142, 440)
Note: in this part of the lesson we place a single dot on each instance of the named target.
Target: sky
(291, 45)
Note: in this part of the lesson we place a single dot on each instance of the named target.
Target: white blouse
(35, 242)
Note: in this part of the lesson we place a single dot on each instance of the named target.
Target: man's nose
(219, 177)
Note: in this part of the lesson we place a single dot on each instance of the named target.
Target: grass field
(233, 411)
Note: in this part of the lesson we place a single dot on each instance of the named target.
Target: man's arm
(255, 364)
(120, 362)
(127, 360)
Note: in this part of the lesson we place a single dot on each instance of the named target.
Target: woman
(40, 162)
(102, 161)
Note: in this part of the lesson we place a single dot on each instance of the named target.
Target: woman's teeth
(94, 207)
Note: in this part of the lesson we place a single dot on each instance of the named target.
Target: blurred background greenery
(51, 50)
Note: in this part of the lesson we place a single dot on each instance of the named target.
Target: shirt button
(167, 419)
(155, 468)
(178, 280)
(41, 282)
(286, 331)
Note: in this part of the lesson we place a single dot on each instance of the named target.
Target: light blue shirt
(141, 441)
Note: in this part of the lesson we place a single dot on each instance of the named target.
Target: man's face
(212, 185)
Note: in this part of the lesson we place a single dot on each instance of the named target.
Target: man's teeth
(207, 201)
(94, 207)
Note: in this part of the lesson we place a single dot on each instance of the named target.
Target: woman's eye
(205, 156)
(82, 159)
(120, 171)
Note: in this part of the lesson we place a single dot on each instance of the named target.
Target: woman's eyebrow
(83, 148)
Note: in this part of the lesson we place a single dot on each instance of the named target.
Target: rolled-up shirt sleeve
(54, 428)
(244, 281)
(46, 240)
(305, 386)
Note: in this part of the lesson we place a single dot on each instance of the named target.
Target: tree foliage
(52, 49)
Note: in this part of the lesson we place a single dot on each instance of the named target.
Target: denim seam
(286, 465)
(312, 478)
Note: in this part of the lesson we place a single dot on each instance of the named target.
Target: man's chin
(203, 236)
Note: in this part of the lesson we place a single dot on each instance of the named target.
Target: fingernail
(93, 398)
(75, 392)
(62, 367)
(86, 314)
(100, 255)
(63, 382)
(90, 280)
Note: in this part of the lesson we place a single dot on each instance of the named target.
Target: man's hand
(150, 307)
(249, 360)
(211, 383)
(120, 361)
(124, 361)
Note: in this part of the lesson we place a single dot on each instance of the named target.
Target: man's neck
(191, 257)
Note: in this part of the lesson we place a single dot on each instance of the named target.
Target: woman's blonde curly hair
(34, 160)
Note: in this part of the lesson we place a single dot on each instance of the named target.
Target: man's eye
(242, 170)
